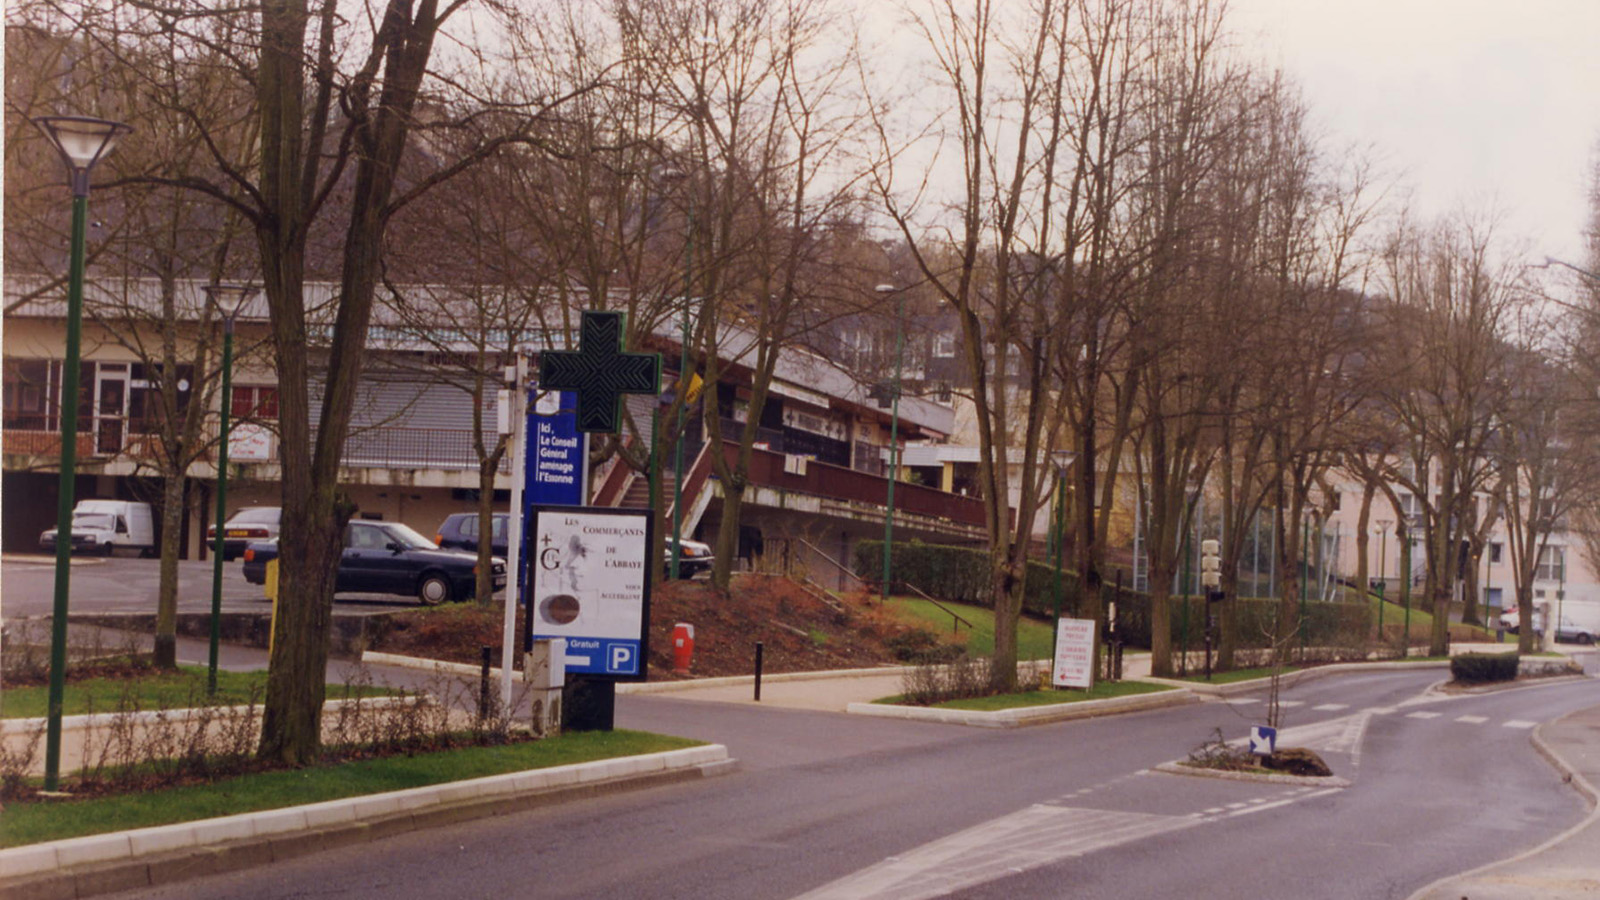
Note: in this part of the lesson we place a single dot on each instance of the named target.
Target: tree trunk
(173, 491)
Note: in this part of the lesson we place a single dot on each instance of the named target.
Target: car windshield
(256, 515)
(93, 520)
(407, 537)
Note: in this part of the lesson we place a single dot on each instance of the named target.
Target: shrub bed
(1482, 668)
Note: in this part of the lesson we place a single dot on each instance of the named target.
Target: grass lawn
(1101, 691)
(1235, 675)
(149, 690)
(28, 823)
(1034, 639)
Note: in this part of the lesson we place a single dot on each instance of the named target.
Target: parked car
(693, 560)
(105, 526)
(252, 523)
(460, 531)
(391, 558)
(1580, 624)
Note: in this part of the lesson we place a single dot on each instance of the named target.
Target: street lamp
(229, 298)
(82, 142)
(894, 431)
(1382, 531)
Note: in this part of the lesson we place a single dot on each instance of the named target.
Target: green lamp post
(894, 435)
(82, 142)
(229, 298)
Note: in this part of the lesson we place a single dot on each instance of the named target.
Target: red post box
(682, 647)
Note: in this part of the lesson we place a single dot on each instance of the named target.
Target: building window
(30, 394)
(1552, 564)
(944, 345)
(1494, 552)
(254, 402)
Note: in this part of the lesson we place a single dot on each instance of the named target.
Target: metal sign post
(588, 574)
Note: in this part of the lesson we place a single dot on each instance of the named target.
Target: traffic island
(1030, 708)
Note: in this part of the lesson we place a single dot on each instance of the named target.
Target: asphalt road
(129, 585)
(828, 805)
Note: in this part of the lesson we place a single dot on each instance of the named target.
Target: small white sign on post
(1074, 664)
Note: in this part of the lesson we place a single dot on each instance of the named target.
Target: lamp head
(82, 142)
(230, 298)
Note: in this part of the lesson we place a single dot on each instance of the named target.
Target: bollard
(483, 686)
(760, 648)
(682, 647)
(544, 668)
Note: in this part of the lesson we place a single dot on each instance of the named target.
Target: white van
(1580, 622)
(106, 526)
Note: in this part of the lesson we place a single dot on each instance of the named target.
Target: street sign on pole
(1074, 663)
(588, 582)
(1263, 740)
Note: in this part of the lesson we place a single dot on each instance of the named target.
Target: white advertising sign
(590, 582)
(249, 443)
(1074, 664)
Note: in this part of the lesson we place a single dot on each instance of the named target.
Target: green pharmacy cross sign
(599, 372)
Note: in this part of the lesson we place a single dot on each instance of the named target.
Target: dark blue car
(391, 558)
(459, 531)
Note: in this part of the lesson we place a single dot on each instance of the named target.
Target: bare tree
(1452, 305)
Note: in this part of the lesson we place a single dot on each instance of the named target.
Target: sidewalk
(1568, 865)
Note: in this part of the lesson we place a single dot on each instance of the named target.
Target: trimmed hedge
(1479, 668)
(961, 575)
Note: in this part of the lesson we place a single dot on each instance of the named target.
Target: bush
(1481, 668)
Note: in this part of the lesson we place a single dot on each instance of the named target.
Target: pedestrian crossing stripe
(1517, 723)
(1472, 720)
(1422, 715)
(1331, 707)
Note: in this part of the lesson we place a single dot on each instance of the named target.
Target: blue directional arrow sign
(1263, 740)
(599, 372)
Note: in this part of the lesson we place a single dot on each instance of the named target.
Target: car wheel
(434, 590)
(1585, 638)
(109, 549)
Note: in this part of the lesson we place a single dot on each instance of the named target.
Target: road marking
(1422, 715)
(1517, 723)
(1027, 839)
(1237, 805)
(1378, 710)
(1288, 703)
(1241, 701)
(1472, 720)
(1214, 810)
(1331, 707)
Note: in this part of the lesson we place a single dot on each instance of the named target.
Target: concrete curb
(1031, 715)
(667, 687)
(81, 867)
(628, 687)
(1176, 768)
(1290, 679)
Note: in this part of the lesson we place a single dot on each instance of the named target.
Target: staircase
(637, 496)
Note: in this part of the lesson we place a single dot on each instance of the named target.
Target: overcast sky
(1468, 102)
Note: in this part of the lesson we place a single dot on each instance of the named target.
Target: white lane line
(1517, 723)
(1024, 840)
(1422, 715)
(1241, 701)
(1378, 710)
(1472, 720)
(1288, 703)
(1331, 707)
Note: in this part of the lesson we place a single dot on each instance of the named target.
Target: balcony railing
(837, 482)
(106, 438)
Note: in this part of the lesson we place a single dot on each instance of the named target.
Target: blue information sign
(556, 451)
